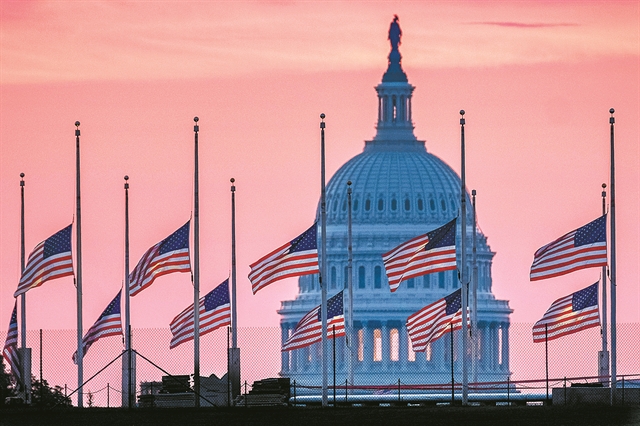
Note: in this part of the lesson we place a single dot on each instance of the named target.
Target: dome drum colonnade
(399, 191)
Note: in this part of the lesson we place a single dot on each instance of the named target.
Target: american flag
(108, 324)
(50, 259)
(214, 311)
(570, 314)
(586, 247)
(295, 258)
(10, 351)
(169, 255)
(309, 328)
(434, 320)
(434, 251)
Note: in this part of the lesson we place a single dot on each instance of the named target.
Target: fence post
(346, 390)
(107, 395)
(245, 393)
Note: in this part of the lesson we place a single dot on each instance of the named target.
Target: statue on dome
(395, 33)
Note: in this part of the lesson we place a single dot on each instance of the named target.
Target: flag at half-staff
(585, 247)
(434, 251)
(309, 328)
(295, 258)
(214, 312)
(435, 320)
(169, 255)
(49, 260)
(108, 324)
(10, 350)
(570, 314)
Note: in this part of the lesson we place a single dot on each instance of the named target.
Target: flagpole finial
(611, 111)
(196, 128)
(322, 122)
(21, 179)
(349, 187)
(126, 182)
(473, 192)
(233, 186)
(462, 117)
(77, 128)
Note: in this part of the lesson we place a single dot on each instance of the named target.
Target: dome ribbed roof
(395, 182)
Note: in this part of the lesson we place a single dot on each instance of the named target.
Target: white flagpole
(463, 265)
(80, 352)
(323, 268)
(474, 297)
(126, 380)
(603, 368)
(351, 347)
(234, 355)
(196, 273)
(612, 266)
(25, 353)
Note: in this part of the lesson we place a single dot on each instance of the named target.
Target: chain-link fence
(565, 369)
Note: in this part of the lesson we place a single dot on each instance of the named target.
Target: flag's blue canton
(592, 232)
(217, 297)
(585, 298)
(176, 241)
(306, 241)
(113, 308)
(442, 237)
(60, 242)
(454, 302)
(334, 307)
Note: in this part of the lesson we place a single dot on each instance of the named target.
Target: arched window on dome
(453, 206)
(394, 106)
(344, 205)
(394, 204)
(335, 205)
(346, 276)
(426, 281)
(432, 204)
(441, 279)
(407, 204)
(355, 204)
(334, 277)
(380, 204)
(420, 204)
(377, 277)
(361, 277)
(443, 204)
(367, 204)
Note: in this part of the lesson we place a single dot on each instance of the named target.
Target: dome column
(284, 331)
(403, 347)
(505, 347)
(385, 356)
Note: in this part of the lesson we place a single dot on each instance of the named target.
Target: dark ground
(282, 416)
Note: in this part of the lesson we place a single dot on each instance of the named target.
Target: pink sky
(536, 79)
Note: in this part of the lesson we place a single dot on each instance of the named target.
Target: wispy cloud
(514, 24)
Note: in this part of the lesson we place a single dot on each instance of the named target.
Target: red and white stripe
(410, 260)
(309, 330)
(561, 320)
(278, 265)
(39, 269)
(562, 257)
(430, 323)
(182, 325)
(152, 265)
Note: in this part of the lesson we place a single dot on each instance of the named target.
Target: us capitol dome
(399, 191)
